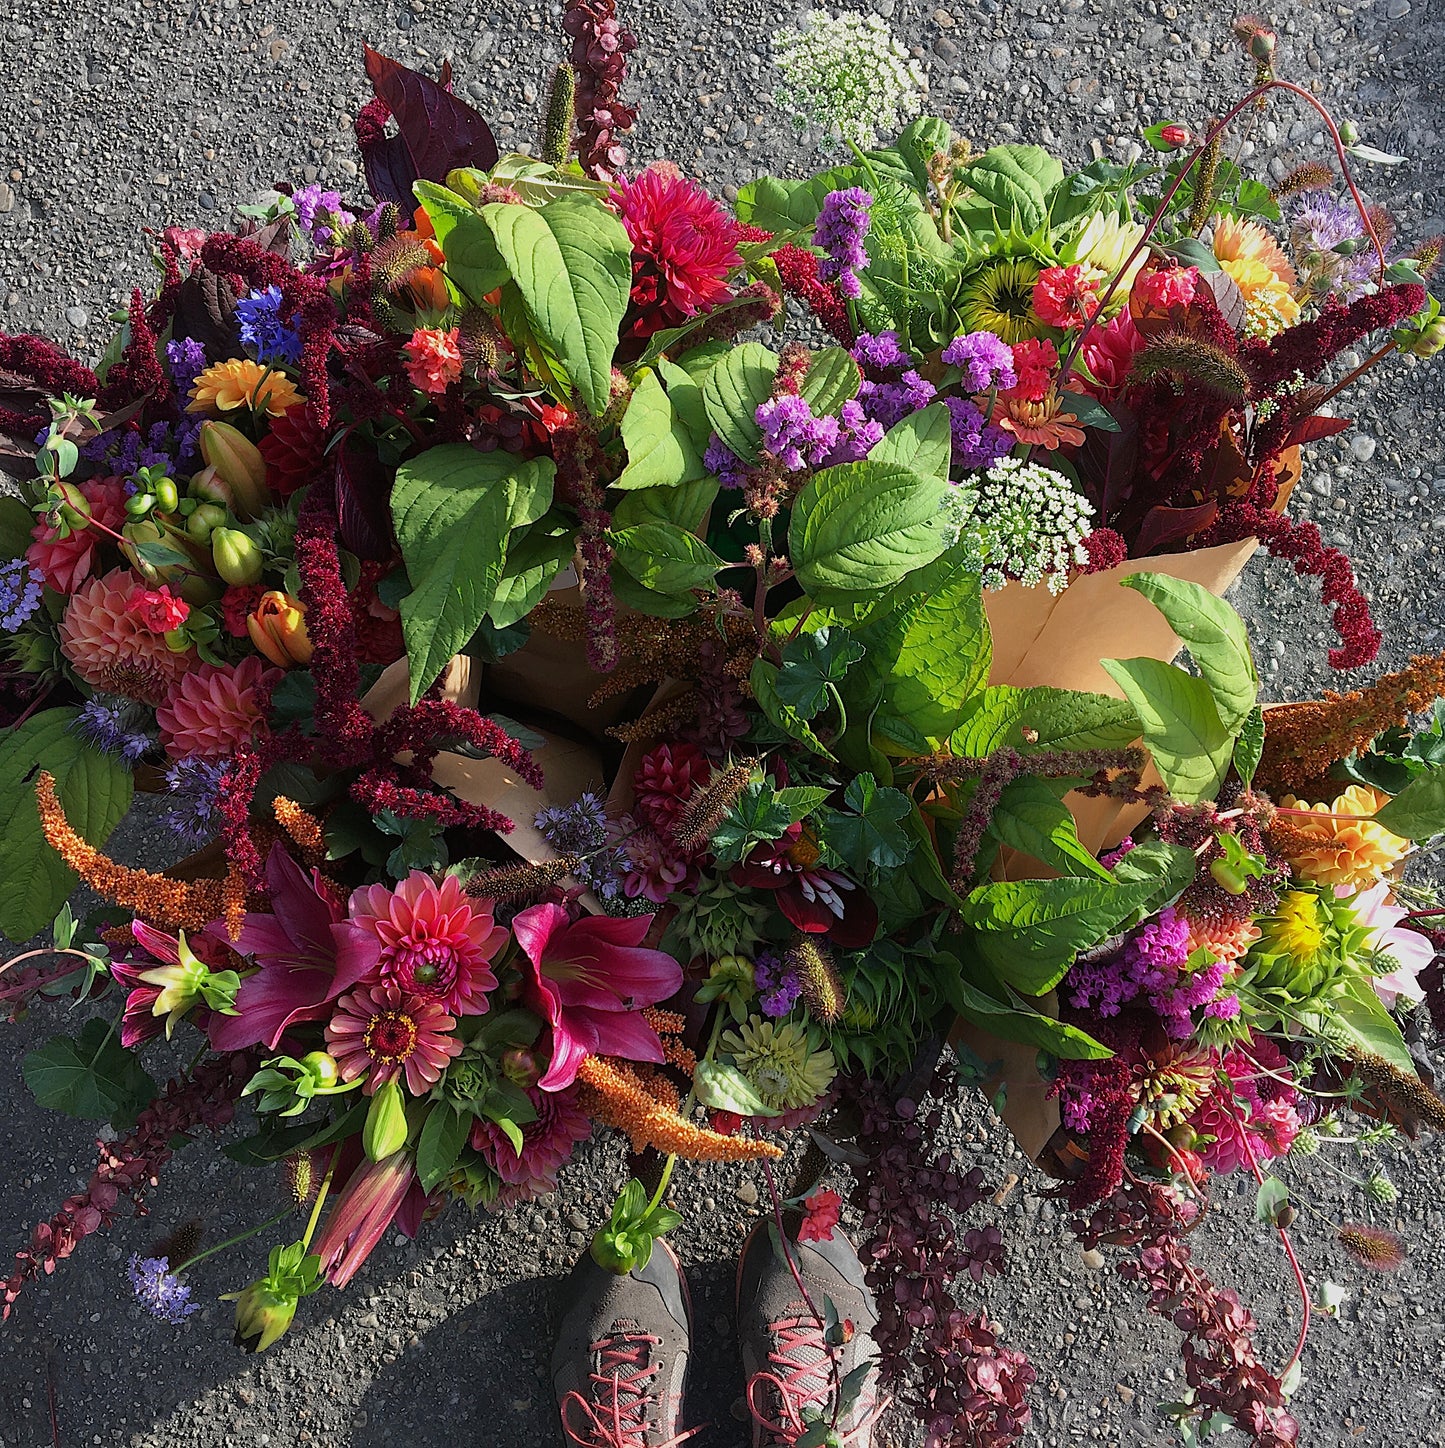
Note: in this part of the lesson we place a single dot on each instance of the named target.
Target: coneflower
(1312, 176)
(707, 809)
(1371, 1247)
(1178, 355)
(561, 111)
(818, 977)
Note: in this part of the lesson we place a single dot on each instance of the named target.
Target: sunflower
(999, 298)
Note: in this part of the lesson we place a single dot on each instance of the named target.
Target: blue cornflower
(115, 726)
(263, 331)
(159, 1290)
(20, 590)
(193, 785)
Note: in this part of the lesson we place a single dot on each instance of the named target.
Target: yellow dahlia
(1349, 849)
(1101, 247)
(240, 382)
(1253, 259)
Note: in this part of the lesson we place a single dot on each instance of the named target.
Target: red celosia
(1106, 549)
(138, 370)
(798, 270)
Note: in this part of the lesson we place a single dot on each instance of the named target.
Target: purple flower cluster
(879, 352)
(20, 590)
(793, 435)
(987, 361)
(779, 986)
(840, 232)
(159, 1290)
(583, 829)
(320, 213)
(115, 726)
(977, 443)
(263, 331)
(731, 470)
(193, 785)
(186, 360)
(888, 403)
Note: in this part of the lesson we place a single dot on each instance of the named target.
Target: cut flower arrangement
(581, 712)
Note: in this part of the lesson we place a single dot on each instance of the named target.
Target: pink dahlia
(1255, 1113)
(435, 942)
(1108, 356)
(65, 563)
(547, 1145)
(590, 979)
(666, 779)
(215, 707)
(684, 246)
(111, 649)
(380, 1033)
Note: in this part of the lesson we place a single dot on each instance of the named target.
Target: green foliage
(624, 1244)
(724, 1088)
(1014, 1019)
(1249, 746)
(1031, 817)
(813, 665)
(1013, 184)
(870, 834)
(832, 380)
(733, 390)
(997, 716)
(760, 815)
(1398, 756)
(440, 1144)
(660, 447)
(95, 790)
(90, 1075)
(922, 442)
(665, 558)
(1418, 811)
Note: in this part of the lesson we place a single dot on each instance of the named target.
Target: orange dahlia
(1252, 257)
(109, 646)
(240, 382)
(1225, 940)
(1343, 846)
(215, 707)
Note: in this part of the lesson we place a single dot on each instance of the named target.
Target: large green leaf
(1015, 181)
(1359, 1017)
(781, 206)
(725, 1088)
(91, 1076)
(1018, 1021)
(454, 509)
(16, 521)
(1031, 817)
(1418, 811)
(572, 263)
(907, 159)
(660, 449)
(631, 594)
(1055, 718)
(832, 380)
(1182, 729)
(684, 506)
(440, 1144)
(923, 441)
(1216, 637)
(860, 527)
(733, 390)
(663, 557)
(684, 391)
(764, 683)
(96, 791)
(532, 563)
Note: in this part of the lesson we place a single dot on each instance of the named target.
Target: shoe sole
(682, 1278)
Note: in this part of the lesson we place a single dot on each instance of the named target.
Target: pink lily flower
(371, 1200)
(1408, 949)
(589, 980)
(140, 1021)
(308, 952)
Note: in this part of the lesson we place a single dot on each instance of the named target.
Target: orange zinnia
(1042, 424)
(240, 382)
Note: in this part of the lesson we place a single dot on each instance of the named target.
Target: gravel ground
(118, 116)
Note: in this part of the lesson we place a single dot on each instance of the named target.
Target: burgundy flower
(819, 901)
(665, 781)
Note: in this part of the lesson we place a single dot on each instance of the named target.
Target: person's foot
(621, 1355)
(786, 1358)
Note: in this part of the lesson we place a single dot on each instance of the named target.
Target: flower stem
(231, 1241)
(321, 1192)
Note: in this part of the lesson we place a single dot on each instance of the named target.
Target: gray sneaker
(621, 1355)
(786, 1357)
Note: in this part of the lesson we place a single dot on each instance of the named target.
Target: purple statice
(115, 726)
(126, 458)
(841, 229)
(20, 590)
(880, 352)
(731, 470)
(155, 452)
(97, 449)
(977, 443)
(159, 1290)
(779, 985)
(858, 435)
(987, 361)
(793, 435)
(263, 331)
(187, 360)
(1112, 857)
(582, 829)
(320, 213)
(192, 786)
(1192, 990)
(888, 403)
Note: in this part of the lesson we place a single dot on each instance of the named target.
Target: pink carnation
(433, 359)
(110, 649)
(65, 563)
(1034, 363)
(547, 1145)
(436, 942)
(158, 610)
(1064, 296)
(215, 707)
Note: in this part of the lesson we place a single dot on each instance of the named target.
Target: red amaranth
(33, 359)
(798, 269)
(138, 371)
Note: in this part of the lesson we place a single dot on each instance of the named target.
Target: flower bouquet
(581, 714)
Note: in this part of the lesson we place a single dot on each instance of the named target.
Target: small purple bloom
(1321, 223)
(888, 403)
(115, 726)
(159, 1290)
(320, 213)
(193, 785)
(793, 435)
(858, 435)
(263, 331)
(778, 986)
(583, 829)
(731, 470)
(20, 590)
(987, 361)
(841, 229)
(880, 352)
(976, 443)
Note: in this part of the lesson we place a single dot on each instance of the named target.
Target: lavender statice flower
(582, 829)
(20, 590)
(320, 213)
(731, 470)
(976, 442)
(987, 361)
(880, 352)
(115, 726)
(888, 403)
(839, 233)
(156, 450)
(778, 984)
(187, 360)
(793, 435)
(858, 435)
(263, 331)
(126, 458)
(159, 1290)
(193, 785)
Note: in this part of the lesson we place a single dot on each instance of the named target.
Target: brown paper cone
(1031, 1117)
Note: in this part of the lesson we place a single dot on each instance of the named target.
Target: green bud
(204, 520)
(321, 1067)
(263, 1313)
(139, 504)
(385, 1129)
(237, 558)
(168, 496)
(621, 1250)
(1229, 878)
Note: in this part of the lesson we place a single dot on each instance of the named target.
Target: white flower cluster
(849, 76)
(1027, 523)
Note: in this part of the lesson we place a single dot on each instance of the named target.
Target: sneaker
(785, 1356)
(621, 1355)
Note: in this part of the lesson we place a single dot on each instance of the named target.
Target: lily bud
(237, 461)
(385, 1130)
(263, 1313)
(277, 626)
(204, 520)
(237, 558)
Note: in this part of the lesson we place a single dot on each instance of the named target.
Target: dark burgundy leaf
(1122, 463)
(1227, 297)
(1162, 526)
(436, 131)
(363, 500)
(1312, 429)
(206, 312)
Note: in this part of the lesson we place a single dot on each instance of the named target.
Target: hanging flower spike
(303, 829)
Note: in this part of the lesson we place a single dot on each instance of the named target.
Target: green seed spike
(561, 112)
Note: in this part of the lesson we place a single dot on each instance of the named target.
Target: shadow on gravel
(491, 1363)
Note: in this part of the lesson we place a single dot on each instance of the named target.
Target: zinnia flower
(1354, 852)
(684, 245)
(1252, 257)
(65, 563)
(240, 382)
(109, 647)
(1164, 289)
(821, 1211)
(1046, 424)
(379, 1033)
(547, 1145)
(1034, 361)
(1064, 296)
(433, 359)
(436, 942)
(782, 1060)
(158, 610)
(589, 980)
(215, 707)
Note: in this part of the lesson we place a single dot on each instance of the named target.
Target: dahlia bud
(238, 560)
(204, 519)
(1422, 341)
(263, 1313)
(238, 462)
(277, 626)
(385, 1130)
(1174, 136)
